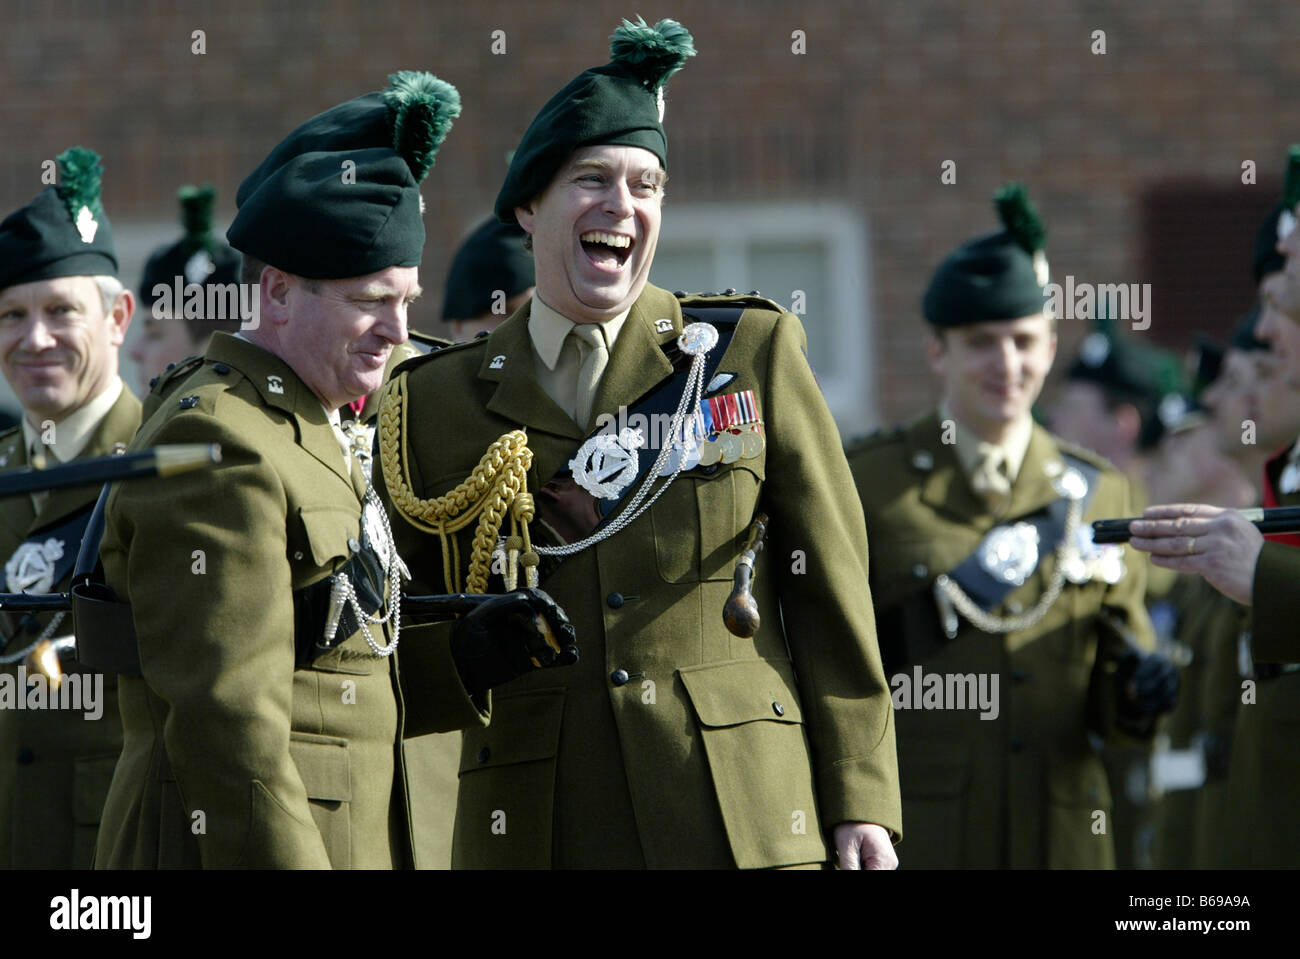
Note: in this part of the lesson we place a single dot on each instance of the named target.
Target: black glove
(1146, 684)
(506, 636)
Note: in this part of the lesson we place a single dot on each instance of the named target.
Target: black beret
(491, 258)
(197, 257)
(618, 104)
(63, 231)
(1000, 276)
(339, 196)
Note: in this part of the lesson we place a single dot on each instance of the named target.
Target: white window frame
(728, 229)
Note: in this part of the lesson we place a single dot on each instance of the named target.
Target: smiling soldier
(262, 724)
(983, 565)
(63, 316)
(673, 742)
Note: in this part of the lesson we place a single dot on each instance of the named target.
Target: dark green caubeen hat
(491, 258)
(339, 196)
(1000, 276)
(63, 231)
(197, 257)
(619, 104)
(1279, 223)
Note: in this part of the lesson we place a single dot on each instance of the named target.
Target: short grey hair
(110, 288)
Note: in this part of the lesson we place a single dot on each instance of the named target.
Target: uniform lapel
(281, 388)
(508, 362)
(637, 362)
(112, 434)
(1033, 488)
(16, 512)
(946, 488)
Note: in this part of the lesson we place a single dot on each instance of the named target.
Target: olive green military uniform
(671, 742)
(233, 756)
(1264, 775)
(1022, 789)
(433, 760)
(1208, 626)
(55, 764)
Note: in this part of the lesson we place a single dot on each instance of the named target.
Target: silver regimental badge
(1285, 224)
(698, 338)
(32, 566)
(605, 465)
(87, 225)
(1010, 553)
(1071, 484)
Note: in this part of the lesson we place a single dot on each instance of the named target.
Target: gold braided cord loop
(497, 486)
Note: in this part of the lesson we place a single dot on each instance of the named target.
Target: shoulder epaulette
(174, 373)
(752, 299)
(434, 343)
(413, 362)
(877, 437)
(1088, 456)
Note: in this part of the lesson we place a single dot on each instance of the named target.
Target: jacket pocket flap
(328, 530)
(524, 727)
(741, 691)
(323, 765)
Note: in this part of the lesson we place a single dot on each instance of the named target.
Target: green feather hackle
(423, 109)
(1291, 192)
(1020, 218)
(653, 54)
(80, 174)
(198, 204)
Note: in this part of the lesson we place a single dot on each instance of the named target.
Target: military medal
(735, 430)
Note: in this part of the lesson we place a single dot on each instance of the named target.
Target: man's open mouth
(608, 251)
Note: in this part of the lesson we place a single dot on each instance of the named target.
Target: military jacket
(1018, 785)
(1264, 769)
(1275, 600)
(55, 764)
(671, 742)
(232, 756)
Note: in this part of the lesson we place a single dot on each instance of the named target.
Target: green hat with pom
(491, 259)
(339, 196)
(63, 231)
(1000, 276)
(618, 104)
(197, 257)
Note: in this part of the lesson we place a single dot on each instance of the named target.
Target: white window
(813, 258)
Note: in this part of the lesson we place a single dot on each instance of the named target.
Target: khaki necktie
(595, 357)
(990, 478)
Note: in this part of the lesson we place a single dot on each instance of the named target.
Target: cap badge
(87, 225)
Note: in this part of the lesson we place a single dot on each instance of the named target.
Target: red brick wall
(887, 91)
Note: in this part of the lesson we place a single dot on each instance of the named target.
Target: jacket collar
(281, 388)
(111, 435)
(636, 364)
(945, 486)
